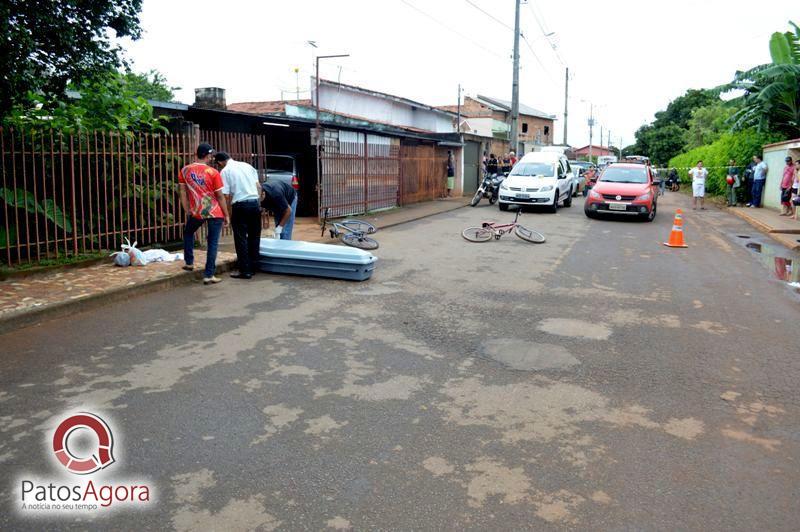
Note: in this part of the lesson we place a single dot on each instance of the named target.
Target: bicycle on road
(493, 230)
(351, 232)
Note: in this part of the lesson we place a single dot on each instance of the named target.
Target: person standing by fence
(733, 182)
(241, 188)
(451, 173)
(202, 199)
(786, 187)
(759, 178)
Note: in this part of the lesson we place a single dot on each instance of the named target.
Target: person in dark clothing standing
(240, 186)
(747, 183)
(281, 200)
(491, 166)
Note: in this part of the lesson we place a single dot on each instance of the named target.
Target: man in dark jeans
(241, 188)
(203, 202)
(281, 200)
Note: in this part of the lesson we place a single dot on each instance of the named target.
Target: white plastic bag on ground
(133, 256)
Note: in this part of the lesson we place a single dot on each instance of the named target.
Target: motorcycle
(490, 188)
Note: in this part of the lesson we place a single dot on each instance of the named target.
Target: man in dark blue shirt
(281, 200)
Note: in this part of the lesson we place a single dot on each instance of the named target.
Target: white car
(539, 178)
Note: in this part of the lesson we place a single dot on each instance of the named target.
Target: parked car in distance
(539, 178)
(579, 168)
(624, 188)
(282, 168)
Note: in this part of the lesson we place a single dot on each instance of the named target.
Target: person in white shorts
(698, 174)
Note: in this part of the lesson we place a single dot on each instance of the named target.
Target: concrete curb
(33, 317)
(785, 238)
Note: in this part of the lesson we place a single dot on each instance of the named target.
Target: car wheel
(554, 207)
(652, 215)
(503, 206)
(568, 200)
(590, 214)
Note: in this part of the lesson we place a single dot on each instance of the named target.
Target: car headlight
(503, 186)
(644, 197)
(595, 195)
(546, 188)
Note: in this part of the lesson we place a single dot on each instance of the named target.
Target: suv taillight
(295, 183)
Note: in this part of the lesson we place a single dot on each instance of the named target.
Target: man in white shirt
(241, 188)
(698, 174)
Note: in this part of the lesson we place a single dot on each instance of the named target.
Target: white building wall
(379, 109)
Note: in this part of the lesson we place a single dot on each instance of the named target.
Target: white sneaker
(211, 280)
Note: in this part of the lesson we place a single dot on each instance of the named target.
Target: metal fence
(423, 173)
(68, 194)
(360, 173)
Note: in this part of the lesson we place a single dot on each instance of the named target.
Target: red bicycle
(489, 230)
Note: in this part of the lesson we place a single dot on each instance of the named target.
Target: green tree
(679, 111)
(771, 100)
(151, 85)
(105, 101)
(708, 123)
(665, 142)
(47, 44)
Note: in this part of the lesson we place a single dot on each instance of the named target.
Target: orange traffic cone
(676, 236)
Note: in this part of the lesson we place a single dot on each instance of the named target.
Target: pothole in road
(528, 356)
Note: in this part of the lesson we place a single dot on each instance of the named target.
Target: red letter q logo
(102, 457)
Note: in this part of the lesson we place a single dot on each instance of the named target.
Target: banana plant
(25, 200)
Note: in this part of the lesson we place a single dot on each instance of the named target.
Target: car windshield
(280, 164)
(614, 174)
(531, 169)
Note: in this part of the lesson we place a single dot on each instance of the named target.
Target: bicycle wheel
(477, 234)
(359, 225)
(529, 235)
(358, 240)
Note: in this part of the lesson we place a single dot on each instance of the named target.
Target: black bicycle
(351, 232)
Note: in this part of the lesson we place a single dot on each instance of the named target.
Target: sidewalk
(29, 299)
(781, 228)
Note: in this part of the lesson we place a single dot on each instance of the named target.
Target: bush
(740, 146)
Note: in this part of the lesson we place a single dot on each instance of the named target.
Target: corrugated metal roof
(259, 108)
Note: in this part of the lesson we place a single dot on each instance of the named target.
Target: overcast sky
(628, 57)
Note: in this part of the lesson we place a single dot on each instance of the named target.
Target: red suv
(624, 188)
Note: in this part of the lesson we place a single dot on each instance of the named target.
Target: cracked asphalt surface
(600, 380)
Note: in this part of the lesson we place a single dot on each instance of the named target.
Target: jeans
(286, 234)
(214, 230)
(758, 189)
(246, 225)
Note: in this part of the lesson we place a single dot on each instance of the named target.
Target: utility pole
(601, 135)
(566, 104)
(591, 127)
(297, 82)
(458, 113)
(515, 85)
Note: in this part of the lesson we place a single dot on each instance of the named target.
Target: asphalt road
(600, 380)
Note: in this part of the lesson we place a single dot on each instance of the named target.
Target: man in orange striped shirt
(203, 201)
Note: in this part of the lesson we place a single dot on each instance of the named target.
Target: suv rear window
(531, 169)
(616, 174)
